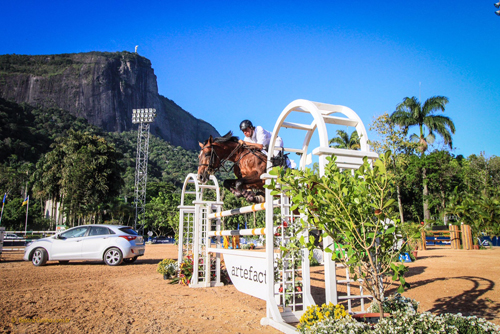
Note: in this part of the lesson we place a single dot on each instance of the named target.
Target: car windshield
(128, 230)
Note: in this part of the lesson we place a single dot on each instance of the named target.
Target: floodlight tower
(144, 117)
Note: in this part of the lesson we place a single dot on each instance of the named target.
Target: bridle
(211, 162)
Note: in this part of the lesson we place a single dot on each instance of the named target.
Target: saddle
(281, 159)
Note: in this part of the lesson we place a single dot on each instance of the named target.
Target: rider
(258, 137)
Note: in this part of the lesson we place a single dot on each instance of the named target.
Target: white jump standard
(270, 275)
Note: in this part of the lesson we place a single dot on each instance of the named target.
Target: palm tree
(410, 112)
(343, 140)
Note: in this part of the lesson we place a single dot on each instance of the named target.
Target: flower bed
(404, 319)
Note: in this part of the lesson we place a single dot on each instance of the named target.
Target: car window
(75, 232)
(128, 230)
(98, 230)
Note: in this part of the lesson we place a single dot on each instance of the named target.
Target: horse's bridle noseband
(213, 155)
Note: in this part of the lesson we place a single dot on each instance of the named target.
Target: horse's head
(208, 160)
(214, 153)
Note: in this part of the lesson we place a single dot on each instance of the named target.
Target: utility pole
(143, 117)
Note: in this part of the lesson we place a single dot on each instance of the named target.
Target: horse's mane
(227, 137)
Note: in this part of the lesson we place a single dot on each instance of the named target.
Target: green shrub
(313, 262)
(331, 326)
(167, 267)
(396, 303)
(315, 314)
(403, 322)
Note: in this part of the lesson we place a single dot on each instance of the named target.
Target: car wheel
(63, 262)
(113, 257)
(130, 260)
(39, 257)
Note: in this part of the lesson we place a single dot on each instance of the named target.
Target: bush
(167, 267)
(472, 324)
(412, 322)
(313, 262)
(396, 303)
(404, 320)
(185, 272)
(331, 326)
(316, 314)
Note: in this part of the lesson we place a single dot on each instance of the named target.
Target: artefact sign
(248, 274)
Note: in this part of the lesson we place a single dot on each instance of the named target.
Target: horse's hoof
(236, 192)
(250, 198)
(259, 199)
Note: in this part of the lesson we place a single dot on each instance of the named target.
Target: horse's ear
(210, 139)
(201, 145)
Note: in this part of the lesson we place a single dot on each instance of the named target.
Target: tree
(393, 140)
(482, 213)
(162, 215)
(442, 177)
(343, 140)
(409, 113)
(82, 172)
(357, 212)
(481, 174)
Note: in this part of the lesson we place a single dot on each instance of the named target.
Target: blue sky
(225, 61)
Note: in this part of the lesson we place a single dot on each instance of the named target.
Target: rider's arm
(252, 145)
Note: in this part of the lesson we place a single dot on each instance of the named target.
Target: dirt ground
(90, 297)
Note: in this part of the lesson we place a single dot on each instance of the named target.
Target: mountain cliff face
(101, 87)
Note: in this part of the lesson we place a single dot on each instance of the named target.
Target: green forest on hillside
(32, 143)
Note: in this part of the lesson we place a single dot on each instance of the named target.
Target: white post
(3, 203)
(26, 223)
(181, 238)
(196, 243)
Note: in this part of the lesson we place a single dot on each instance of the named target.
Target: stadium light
(143, 115)
(497, 5)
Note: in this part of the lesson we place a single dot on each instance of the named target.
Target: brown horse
(249, 165)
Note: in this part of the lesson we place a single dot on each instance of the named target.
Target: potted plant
(168, 268)
(251, 246)
(357, 212)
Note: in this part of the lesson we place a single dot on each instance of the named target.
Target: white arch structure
(322, 114)
(200, 221)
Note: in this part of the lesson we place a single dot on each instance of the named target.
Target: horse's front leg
(231, 186)
(245, 186)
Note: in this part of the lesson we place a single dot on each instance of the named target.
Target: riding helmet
(246, 124)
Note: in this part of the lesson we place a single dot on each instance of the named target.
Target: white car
(12, 236)
(112, 244)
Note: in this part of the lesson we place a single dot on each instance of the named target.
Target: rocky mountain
(101, 87)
